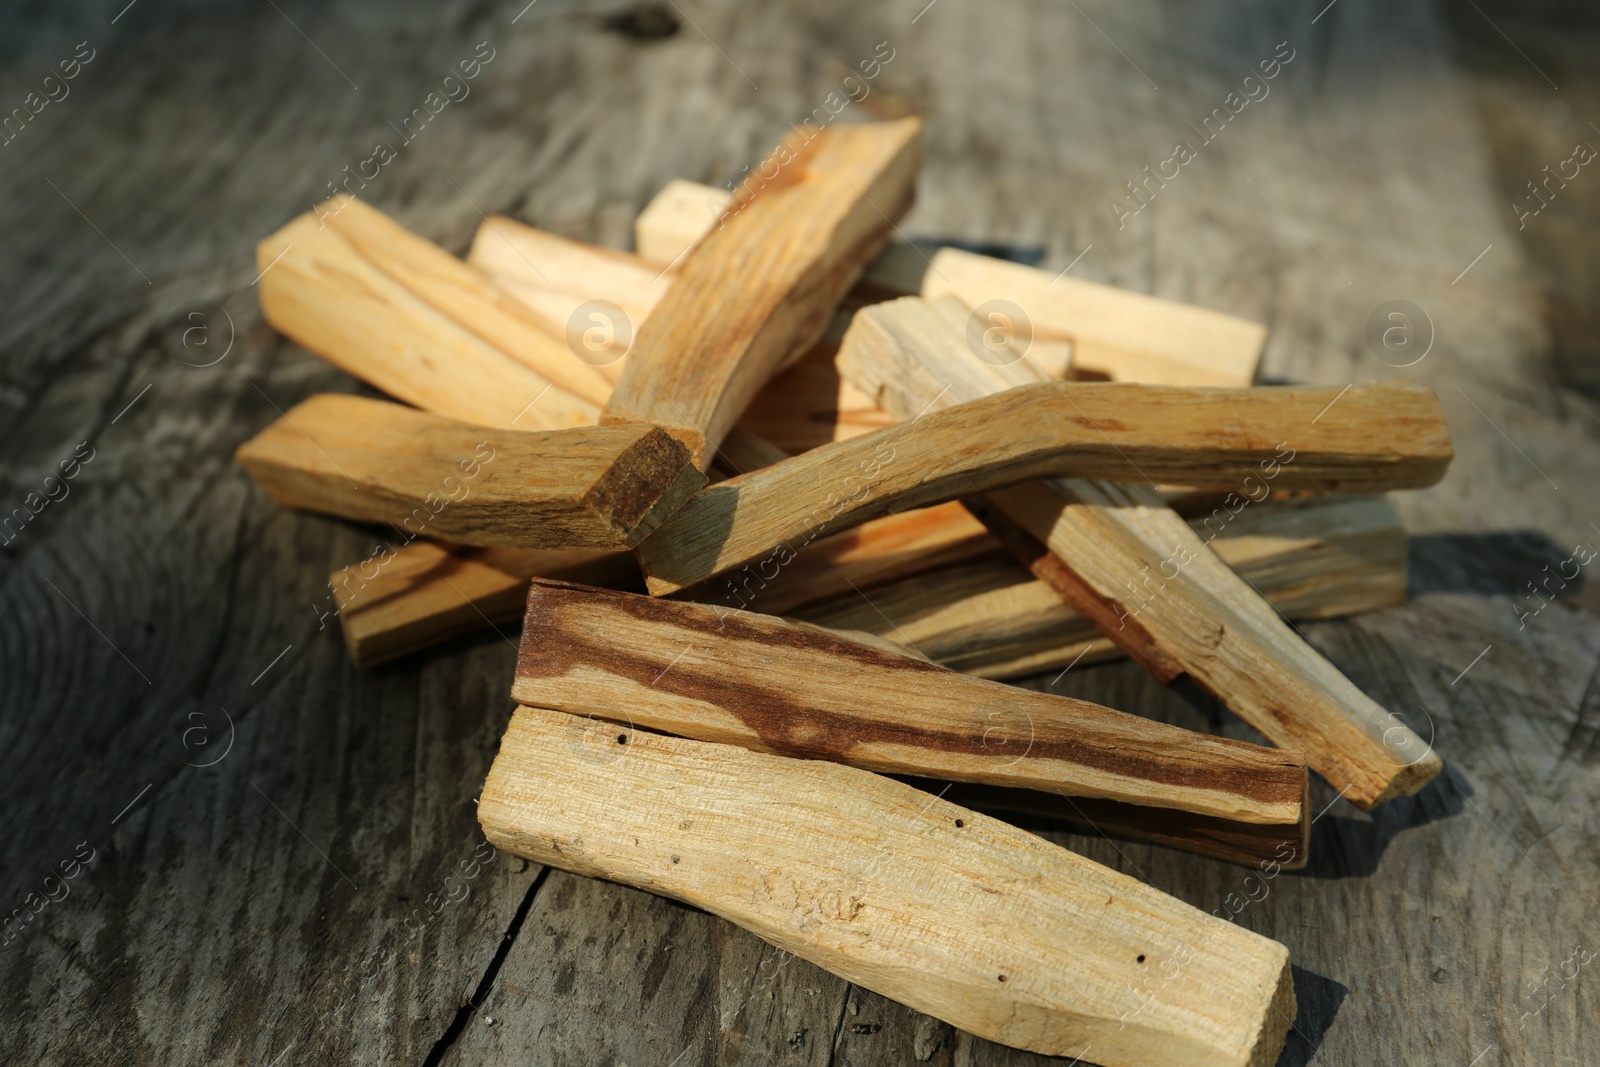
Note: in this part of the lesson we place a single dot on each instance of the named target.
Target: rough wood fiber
(757, 291)
(1206, 437)
(372, 461)
(1126, 562)
(316, 288)
(1016, 939)
(789, 688)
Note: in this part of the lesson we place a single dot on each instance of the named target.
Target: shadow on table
(1317, 1001)
(1501, 563)
(1351, 847)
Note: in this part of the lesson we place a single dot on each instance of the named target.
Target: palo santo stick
(988, 927)
(1312, 559)
(756, 292)
(1125, 334)
(773, 685)
(425, 593)
(322, 293)
(587, 487)
(554, 277)
(466, 295)
(1194, 617)
(677, 217)
(1201, 437)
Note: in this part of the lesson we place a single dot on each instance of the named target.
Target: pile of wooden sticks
(757, 489)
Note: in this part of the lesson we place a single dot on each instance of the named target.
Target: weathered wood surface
(214, 924)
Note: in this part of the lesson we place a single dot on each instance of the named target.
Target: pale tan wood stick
(555, 277)
(1312, 559)
(466, 295)
(953, 913)
(775, 685)
(758, 290)
(399, 601)
(317, 289)
(1147, 581)
(1388, 436)
(678, 216)
(369, 460)
(1122, 333)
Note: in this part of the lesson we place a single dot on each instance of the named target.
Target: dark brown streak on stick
(794, 689)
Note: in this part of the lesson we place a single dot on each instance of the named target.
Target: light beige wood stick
(1317, 558)
(555, 278)
(676, 218)
(372, 461)
(758, 290)
(1388, 436)
(787, 687)
(1122, 333)
(465, 294)
(323, 293)
(1147, 581)
(953, 913)
(399, 601)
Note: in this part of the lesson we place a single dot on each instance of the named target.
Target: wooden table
(281, 845)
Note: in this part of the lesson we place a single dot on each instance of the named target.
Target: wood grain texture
(792, 689)
(758, 291)
(830, 863)
(317, 289)
(371, 461)
(1121, 559)
(211, 932)
(1207, 437)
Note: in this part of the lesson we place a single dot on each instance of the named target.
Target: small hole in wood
(1002, 978)
(622, 739)
(1141, 957)
(961, 822)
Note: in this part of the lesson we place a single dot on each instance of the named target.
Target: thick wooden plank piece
(1116, 331)
(1126, 562)
(778, 686)
(1016, 940)
(1206, 437)
(587, 487)
(316, 288)
(757, 291)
